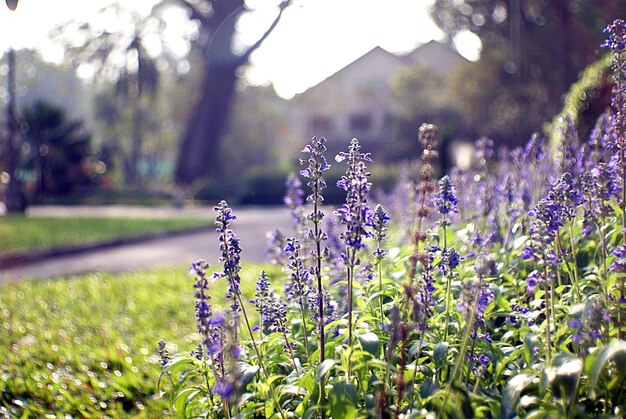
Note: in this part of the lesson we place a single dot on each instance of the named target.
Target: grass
(86, 345)
(23, 233)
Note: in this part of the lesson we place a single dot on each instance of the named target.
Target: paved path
(251, 226)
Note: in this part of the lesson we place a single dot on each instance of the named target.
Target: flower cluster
(230, 254)
(445, 200)
(299, 288)
(379, 221)
(314, 172)
(589, 324)
(206, 324)
(355, 214)
(294, 199)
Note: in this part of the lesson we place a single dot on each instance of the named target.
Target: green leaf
(183, 399)
(451, 402)
(440, 353)
(512, 392)
(343, 400)
(597, 362)
(293, 390)
(247, 372)
(324, 368)
(564, 376)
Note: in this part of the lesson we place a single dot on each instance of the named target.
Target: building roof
(432, 55)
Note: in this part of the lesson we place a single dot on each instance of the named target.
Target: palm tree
(121, 57)
(58, 150)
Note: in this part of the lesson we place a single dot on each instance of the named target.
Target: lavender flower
(589, 324)
(262, 293)
(379, 229)
(445, 200)
(421, 295)
(273, 311)
(355, 214)
(229, 380)
(299, 288)
(294, 200)
(616, 42)
(536, 278)
(470, 291)
(275, 247)
(204, 315)
(314, 172)
(163, 353)
(570, 160)
(230, 254)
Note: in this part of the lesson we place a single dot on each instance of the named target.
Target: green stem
(448, 293)
(574, 261)
(304, 328)
(380, 286)
(350, 302)
(466, 338)
(290, 350)
(417, 359)
(448, 290)
(258, 354)
(548, 333)
(320, 300)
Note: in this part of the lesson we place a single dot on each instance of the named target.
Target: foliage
(84, 346)
(511, 300)
(24, 233)
(122, 56)
(584, 100)
(421, 95)
(58, 152)
(532, 50)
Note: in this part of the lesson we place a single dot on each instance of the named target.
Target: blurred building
(355, 101)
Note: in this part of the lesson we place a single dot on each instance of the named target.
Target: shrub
(510, 299)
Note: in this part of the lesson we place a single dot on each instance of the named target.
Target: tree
(200, 144)
(419, 94)
(216, 22)
(532, 51)
(58, 150)
(122, 57)
(11, 4)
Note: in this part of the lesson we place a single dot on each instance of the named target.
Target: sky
(314, 39)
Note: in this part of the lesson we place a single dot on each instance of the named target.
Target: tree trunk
(199, 153)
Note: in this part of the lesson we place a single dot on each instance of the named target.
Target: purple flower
(616, 41)
(299, 288)
(620, 252)
(475, 294)
(224, 389)
(527, 253)
(379, 222)
(230, 254)
(589, 323)
(314, 172)
(205, 325)
(531, 282)
(355, 214)
(163, 353)
(275, 247)
(445, 199)
(294, 200)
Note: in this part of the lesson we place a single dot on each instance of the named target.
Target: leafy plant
(509, 302)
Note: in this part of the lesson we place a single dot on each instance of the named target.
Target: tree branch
(246, 55)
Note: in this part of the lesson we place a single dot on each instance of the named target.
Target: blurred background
(146, 102)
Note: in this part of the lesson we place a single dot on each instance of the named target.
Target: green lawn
(86, 346)
(21, 233)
